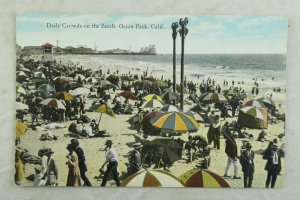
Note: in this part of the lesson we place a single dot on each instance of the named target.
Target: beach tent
(249, 121)
(152, 178)
(202, 178)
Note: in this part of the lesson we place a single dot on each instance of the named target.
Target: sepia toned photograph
(124, 100)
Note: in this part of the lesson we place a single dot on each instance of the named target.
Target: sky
(207, 34)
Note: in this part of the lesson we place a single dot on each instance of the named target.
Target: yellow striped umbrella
(152, 178)
(103, 108)
(20, 128)
(63, 95)
(202, 178)
(152, 97)
(175, 121)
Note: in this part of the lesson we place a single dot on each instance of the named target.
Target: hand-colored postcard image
(123, 100)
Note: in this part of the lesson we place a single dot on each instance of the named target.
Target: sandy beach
(123, 136)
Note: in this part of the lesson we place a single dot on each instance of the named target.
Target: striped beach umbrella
(254, 102)
(152, 104)
(54, 103)
(215, 97)
(202, 178)
(267, 101)
(170, 108)
(152, 178)
(63, 95)
(103, 108)
(153, 97)
(252, 111)
(175, 121)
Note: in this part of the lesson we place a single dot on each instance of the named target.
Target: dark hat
(48, 151)
(70, 147)
(108, 142)
(75, 142)
(137, 145)
(248, 144)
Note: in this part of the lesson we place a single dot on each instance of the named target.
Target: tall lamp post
(183, 32)
(174, 35)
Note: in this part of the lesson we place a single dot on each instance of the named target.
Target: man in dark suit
(247, 162)
(273, 165)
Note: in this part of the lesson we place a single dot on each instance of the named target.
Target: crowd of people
(144, 153)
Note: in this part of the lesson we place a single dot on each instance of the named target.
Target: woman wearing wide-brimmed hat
(52, 173)
(74, 172)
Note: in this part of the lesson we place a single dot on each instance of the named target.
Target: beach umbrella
(91, 80)
(21, 90)
(79, 77)
(202, 178)
(195, 115)
(128, 95)
(170, 148)
(142, 84)
(161, 84)
(178, 89)
(252, 111)
(152, 97)
(80, 91)
(63, 95)
(39, 80)
(106, 85)
(61, 80)
(21, 106)
(113, 79)
(54, 103)
(254, 102)
(42, 94)
(150, 79)
(39, 75)
(102, 108)
(20, 128)
(214, 97)
(170, 108)
(46, 88)
(151, 178)
(267, 101)
(169, 96)
(152, 104)
(146, 120)
(21, 74)
(175, 121)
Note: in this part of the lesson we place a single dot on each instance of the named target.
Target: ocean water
(229, 66)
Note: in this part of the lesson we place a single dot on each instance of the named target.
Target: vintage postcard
(150, 100)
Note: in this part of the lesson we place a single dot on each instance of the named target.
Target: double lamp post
(183, 32)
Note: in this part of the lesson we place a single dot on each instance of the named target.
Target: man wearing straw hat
(111, 158)
(247, 162)
(134, 159)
